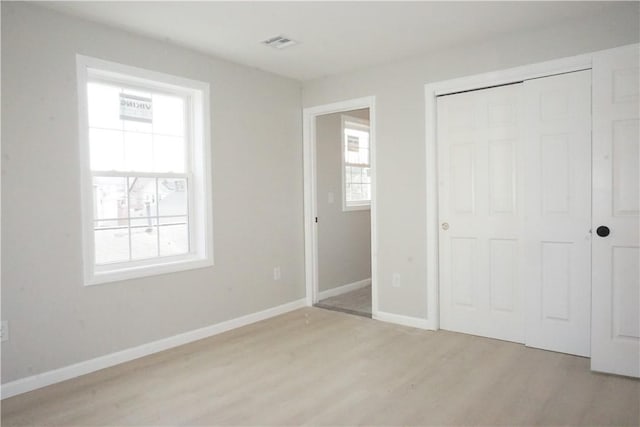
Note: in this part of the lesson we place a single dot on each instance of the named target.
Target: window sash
(350, 126)
(100, 77)
(115, 80)
(345, 146)
(189, 217)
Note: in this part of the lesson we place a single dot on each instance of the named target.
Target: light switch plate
(395, 280)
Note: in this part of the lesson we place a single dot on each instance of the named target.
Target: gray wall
(344, 238)
(54, 320)
(400, 133)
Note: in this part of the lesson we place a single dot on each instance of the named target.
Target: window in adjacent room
(356, 164)
(146, 171)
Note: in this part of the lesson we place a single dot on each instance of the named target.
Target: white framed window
(146, 171)
(356, 164)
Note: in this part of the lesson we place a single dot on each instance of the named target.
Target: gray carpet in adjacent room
(354, 302)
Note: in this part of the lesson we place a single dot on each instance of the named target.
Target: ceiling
(334, 37)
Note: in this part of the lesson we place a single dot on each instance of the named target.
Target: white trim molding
(197, 169)
(339, 290)
(37, 381)
(398, 319)
(310, 192)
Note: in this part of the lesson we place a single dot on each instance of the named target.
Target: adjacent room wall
(54, 320)
(344, 237)
(400, 133)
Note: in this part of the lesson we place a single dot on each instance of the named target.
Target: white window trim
(365, 125)
(200, 204)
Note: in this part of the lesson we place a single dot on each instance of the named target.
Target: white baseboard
(399, 319)
(34, 382)
(344, 289)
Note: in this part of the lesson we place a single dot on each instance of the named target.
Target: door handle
(445, 226)
(603, 231)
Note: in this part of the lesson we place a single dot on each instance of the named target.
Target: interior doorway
(343, 177)
(340, 206)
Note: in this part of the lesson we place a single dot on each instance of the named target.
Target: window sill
(366, 207)
(126, 273)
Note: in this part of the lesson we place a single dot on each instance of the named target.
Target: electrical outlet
(4, 330)
(276, 273)
(395, 280)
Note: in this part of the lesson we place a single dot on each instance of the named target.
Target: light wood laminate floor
(321, 367)
(354, 302)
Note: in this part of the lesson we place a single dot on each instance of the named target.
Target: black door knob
(603, 231)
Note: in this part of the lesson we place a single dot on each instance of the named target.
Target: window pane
(107, 149)
(168, 115)
(364, 141)
(174, 237)
(353, 143)
(366, 175)
(135, 125)
(172, 195)
(356, 192)
(104, 106)
(110, 198)
(352, 157)
(111, 241)
(356, 146)
(363, 157)
(142, 197)
(366, 191)
(138, 151)
(169, 154)
(356, 175)
(144, 239)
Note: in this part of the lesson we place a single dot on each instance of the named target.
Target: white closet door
(615, 339)
(557, 212)
(480, 290)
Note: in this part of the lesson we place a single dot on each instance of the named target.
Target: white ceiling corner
(333, 37)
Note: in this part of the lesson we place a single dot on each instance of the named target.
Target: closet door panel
(615, 335)
(557, 214)
(478, 143)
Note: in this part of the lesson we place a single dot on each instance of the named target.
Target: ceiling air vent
(279, 42)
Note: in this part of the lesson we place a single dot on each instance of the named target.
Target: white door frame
(309, 116)
(474, 82)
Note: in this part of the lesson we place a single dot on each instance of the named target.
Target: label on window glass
(353, 143)
(136, 108)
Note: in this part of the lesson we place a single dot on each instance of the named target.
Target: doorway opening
(340, 206)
